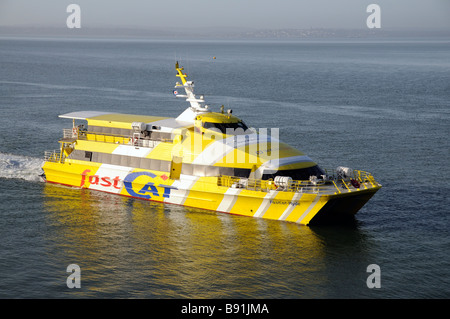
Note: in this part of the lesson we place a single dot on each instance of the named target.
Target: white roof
(165, 124)
(82, 115)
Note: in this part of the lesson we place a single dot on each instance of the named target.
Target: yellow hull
(309, 207)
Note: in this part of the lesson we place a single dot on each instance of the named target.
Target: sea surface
(378, 105)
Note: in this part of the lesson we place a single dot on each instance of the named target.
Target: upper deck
(125, 121)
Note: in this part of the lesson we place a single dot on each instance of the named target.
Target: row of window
(188, 169)
(157, 165)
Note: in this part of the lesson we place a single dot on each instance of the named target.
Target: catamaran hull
(205, 193)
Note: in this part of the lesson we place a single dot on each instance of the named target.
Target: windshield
(227, 128)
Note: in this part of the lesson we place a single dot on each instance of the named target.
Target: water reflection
(134, 248)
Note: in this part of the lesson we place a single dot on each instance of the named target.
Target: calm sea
(381, 106)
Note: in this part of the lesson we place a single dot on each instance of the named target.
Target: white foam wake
(21, 167)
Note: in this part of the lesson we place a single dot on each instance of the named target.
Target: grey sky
(405, 14)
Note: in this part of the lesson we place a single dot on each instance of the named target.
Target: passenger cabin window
(227, 128)
(300, 174)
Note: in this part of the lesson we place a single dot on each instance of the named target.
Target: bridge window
(222, 127)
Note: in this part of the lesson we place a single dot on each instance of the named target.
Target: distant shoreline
(218, 33)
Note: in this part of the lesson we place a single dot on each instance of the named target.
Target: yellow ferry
(203, 159)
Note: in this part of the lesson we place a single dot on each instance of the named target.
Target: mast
(197, 104)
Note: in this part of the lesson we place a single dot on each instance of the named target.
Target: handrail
(111, 138)
(332, 183)
(268, 185)
(106, 138)
(339, 191)
(53, 156)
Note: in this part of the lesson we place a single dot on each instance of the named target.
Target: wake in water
(20, 167)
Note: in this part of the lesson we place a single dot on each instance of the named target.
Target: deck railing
(111, 138)
(53, 156)
(331, 184)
